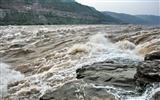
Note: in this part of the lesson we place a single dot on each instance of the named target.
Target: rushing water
(42, 58)
(7, 76)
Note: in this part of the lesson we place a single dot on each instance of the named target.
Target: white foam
(63, 65)
(63, 68)
(148, 94)
(8, 36)
(18, 41)
(148, 47)
(122, 94)
(78, 48)
(7, 76)
(18, 34)
(125, 44)
(101, 48)
(99, 39)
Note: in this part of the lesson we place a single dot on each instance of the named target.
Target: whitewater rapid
(8, 75)
(57, 56)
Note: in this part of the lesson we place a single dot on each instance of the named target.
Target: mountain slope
(155, 20)
(126, 18)
(49, 12)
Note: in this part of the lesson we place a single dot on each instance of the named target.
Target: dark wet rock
(105, 74)
(153, 56)
(78, 90)
(92, 80)
(148, 72)
(156, 96)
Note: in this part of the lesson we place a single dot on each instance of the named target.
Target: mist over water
(43, 58)
(100, 48)
(7, 76)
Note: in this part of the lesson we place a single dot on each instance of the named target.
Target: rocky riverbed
(101, 81)
(85, 62)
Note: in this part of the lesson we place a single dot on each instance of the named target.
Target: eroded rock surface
(148, 71)
(78, 90)
(41, 54)
(156, 96)
(153, 56)
(111, 74)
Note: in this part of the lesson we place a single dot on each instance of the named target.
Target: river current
(39, 59)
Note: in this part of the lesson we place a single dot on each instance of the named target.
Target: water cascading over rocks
(47, 59)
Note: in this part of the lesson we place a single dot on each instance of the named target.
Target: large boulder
(92, 82)
(108, 74)
(78, 90)
(148, 72)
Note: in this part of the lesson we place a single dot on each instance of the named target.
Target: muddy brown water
(47, 56)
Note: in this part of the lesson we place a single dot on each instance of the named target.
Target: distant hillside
(28, 12)
(155, 20)
(126, 18)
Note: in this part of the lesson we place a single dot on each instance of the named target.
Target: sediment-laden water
(39, 59)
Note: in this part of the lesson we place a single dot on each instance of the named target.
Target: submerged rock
(148, 72)
(153, 56)
(78, 90)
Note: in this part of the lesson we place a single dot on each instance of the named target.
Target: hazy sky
(150, 7)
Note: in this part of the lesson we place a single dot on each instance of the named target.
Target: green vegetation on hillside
(31, 12)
